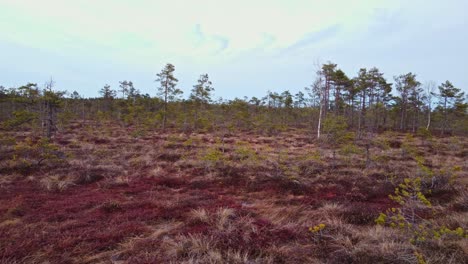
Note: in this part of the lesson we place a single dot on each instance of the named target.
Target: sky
(247, 47)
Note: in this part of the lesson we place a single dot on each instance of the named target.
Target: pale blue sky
(246, 46)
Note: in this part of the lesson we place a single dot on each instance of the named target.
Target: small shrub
(101, 141)
(20, 117)
(88, 176)
(192, 142)
(173, 142)
(310, 165)
(318, 232)
(359, 214)
(389, 139)
(461, 203)
(424, 133)
(246, 155)
(138, 133)
(170, 156)
(411, 199)
(213, 157)
(350, 149)
(56, 183)
(111, 206)
(395, 144)
(6, 140)
(35, 153)
(334, 128)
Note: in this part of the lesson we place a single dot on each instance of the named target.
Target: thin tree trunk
(445, 116)
(359, 120)
(402, 117)
(428, 119)
(352, 112)
(319, 120)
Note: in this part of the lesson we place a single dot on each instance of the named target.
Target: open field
(106, 194)
(233, 132)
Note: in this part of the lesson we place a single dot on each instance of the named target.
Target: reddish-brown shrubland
(180, 198)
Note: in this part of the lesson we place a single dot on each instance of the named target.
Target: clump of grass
(57, 183)
(111, 207)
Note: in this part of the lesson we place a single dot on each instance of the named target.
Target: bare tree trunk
(351, 103)
(417, 118)
(195, 121)
(445, 116)
(402, 116)
(362, 116)
(428, 118)
(166, 91)
(185, 116)
(430, 86)
(359, 120)
(368, 159)
(319, 119)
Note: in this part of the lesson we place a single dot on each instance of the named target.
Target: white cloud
(167, 28)
(246, 44)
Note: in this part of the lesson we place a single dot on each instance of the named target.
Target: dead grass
(56, 183)
(153, 199)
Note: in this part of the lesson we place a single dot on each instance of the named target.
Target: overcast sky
(246, 46)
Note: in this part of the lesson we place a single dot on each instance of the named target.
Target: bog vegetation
(350, 170)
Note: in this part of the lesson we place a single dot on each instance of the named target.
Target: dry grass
(153, 199)
(56, 183)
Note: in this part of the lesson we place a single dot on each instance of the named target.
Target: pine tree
(201, 95)
(107, 93)
(449, 96)
(167, 90)
(123, 88)
(405, 83)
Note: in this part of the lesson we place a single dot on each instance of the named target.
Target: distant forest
(366, 103)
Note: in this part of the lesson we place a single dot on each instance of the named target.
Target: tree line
(367, 103)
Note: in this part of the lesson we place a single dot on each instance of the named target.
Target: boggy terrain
(108, 194)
